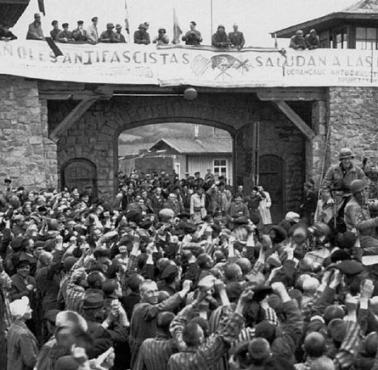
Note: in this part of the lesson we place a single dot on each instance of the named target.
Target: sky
(256, 18)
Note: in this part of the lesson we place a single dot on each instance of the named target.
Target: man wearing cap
(161, 38)
(23, 285)
(358, 219)
(108, 35)
(238, 208)
(92, 32)
(56, 30)
(94, 313)
(192, 37)
(220, 38)
(339, 178)
(79, 34)
(118, 37)
(65, 35)
(141, 36)
(312, 40)
(297, 42)
(35, 29)
(22, 346)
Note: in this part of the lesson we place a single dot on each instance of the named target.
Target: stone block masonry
(353, 122)
(27, 156)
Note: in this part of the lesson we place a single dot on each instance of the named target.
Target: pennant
(176, 29)
(41, 7)
(127, 24)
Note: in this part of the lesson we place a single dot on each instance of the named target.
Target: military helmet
(345, 153)
(357, 186)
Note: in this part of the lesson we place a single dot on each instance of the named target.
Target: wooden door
(271, 178)
(81, 174)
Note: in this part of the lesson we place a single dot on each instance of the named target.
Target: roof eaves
(169, 144)
(342, 15)
(305, 24)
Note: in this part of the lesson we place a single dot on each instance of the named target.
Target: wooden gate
(272, 179)
(80, 173)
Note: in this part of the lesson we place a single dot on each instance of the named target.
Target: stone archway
(96, 134)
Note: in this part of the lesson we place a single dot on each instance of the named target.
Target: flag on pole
(127, 25)
(176, 28)
(41, 7)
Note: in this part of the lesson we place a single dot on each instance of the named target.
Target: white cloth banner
(178, 65)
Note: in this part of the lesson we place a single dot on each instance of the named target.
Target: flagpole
(127, 23)
(211, 19)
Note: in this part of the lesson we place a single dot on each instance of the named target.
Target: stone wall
(27, 156)
(353, 122)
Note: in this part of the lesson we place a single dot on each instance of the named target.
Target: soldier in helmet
(358, 219)
(339, 178)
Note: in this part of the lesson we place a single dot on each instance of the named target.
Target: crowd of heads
(181, 273)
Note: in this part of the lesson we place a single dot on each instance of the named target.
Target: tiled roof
(363, 6)
(132, 148)
(195, 146)
(362, 10)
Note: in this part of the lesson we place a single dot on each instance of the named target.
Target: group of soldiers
(344, 194)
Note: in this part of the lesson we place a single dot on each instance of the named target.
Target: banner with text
(178, 65)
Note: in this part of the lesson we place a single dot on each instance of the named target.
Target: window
(366, 38)
(341, 39)
(220, 167)
(324, 39)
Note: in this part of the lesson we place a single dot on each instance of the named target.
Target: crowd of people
(113, 34)
(186, 274)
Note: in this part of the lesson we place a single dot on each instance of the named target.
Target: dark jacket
(192, 38)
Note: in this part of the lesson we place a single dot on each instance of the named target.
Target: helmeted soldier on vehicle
(338, 180)
(358, 218)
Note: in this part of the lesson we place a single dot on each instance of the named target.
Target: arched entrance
(179, 147)
(271, 178)
(95, 136)
(80, 173)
